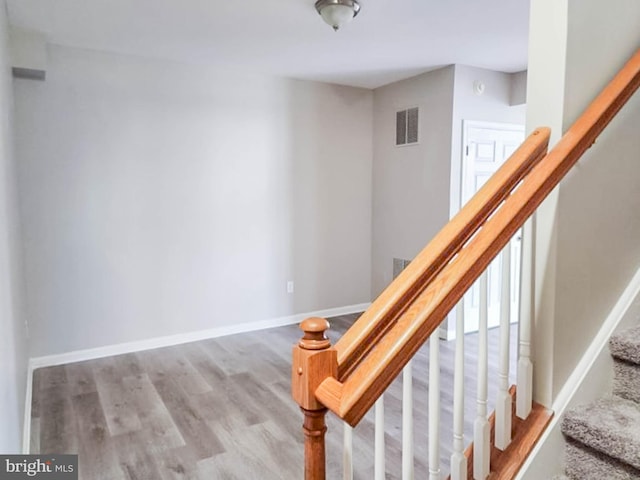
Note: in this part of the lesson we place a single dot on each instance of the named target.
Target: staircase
(350, 378)
(603, 437)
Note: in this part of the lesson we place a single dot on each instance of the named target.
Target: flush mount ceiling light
(337, 12)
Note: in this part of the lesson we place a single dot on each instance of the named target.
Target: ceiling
(388, 41)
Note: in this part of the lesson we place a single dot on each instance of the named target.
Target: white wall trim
(26, 427)
(586, 363)
(166, 341)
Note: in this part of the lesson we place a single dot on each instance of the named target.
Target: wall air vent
(407, 127)
(28, 73)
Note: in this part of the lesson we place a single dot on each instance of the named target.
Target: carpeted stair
(603, 438)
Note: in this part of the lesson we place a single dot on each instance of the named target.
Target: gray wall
(598, 216)
(588, 232)
(160, 198)
(13, 348)
(410, 184)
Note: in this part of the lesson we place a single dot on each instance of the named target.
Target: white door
(485, 147)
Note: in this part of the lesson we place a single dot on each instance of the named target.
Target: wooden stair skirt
(524, 435)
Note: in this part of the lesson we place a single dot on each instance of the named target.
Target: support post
(314, 428)
(313, 361)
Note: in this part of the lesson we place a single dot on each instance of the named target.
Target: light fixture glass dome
(337, 13)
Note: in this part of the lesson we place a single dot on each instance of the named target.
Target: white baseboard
(627, 302)
(167, 341)
(26, 428)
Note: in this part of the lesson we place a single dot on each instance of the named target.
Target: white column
(407, 423)
(434, 406)
(524, 393)
(347, 453)
(458, 460)
(503, 402)
(379, 448)
(481, 431)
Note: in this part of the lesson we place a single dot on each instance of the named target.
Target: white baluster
(481, 433)
(503, 402)
(458, 460)
(434, 406)
(407, 423)
(379, 466)
(524, 395)
(347, 453)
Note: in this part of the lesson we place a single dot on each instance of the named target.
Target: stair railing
(351, 376)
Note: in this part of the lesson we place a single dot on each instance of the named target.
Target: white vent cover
(407, 126)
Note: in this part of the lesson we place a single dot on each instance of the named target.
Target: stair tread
(625, 345)
(610, 425)
(585, 463)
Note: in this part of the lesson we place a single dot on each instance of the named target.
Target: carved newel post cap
(314, 337)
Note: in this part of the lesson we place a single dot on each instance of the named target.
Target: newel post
(313, 361)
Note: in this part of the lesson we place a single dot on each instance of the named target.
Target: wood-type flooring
(221, 409)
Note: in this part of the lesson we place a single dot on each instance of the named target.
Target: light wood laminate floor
(221, 409)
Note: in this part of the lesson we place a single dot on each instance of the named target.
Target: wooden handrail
(384, 312)
(366, 368)
(372, 353)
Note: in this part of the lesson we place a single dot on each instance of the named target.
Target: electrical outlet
(290, 286)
